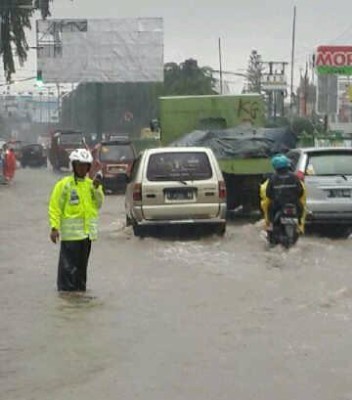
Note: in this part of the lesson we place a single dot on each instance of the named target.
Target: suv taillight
(300, 175)
(222, 190)
(137, 192)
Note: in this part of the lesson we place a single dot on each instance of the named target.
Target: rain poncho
(74, 207)
(9, 165)
(265, 204)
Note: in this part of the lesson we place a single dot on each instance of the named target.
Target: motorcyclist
(281, 188)
(73, 215)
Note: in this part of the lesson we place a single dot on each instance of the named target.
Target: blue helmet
(280, 161)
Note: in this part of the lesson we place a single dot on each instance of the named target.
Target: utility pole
(293, 57)
(306, 87)
(41, 106)
(220, 65)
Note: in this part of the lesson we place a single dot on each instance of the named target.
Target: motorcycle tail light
(300, 175)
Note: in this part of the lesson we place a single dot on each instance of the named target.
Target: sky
(192, 28)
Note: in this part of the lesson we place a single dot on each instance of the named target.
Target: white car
(327, 173)
(176, 186)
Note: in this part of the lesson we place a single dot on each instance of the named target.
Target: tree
(254, 72)
(309, 126)
(188, 78)
(15, 18)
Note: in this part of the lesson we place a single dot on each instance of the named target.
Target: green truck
(183, 114)
(180, 115)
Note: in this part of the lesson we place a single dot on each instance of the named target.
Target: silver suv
(176, 186)
(327, 173)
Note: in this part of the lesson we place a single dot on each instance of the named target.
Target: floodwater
(169, 318)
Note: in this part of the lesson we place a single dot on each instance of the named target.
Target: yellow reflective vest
(74, 208)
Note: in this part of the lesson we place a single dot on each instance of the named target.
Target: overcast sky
(193, 27)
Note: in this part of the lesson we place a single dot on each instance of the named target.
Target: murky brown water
(170, 319)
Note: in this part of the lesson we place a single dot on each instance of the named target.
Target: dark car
(33, 155)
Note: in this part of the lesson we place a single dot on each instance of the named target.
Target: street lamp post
(40, 107)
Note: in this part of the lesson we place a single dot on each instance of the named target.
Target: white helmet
(82, 156)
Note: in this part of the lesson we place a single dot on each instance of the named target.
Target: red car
(113, 159)
(62, 143)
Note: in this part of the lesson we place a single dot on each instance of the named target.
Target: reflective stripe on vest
(75, 229)
(93, 228)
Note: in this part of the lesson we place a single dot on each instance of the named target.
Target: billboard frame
(100, 50)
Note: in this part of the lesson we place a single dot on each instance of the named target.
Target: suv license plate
(339, 193)
(180, 194)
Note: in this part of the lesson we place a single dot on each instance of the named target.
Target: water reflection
(78, 301)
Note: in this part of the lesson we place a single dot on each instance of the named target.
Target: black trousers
(73, 262)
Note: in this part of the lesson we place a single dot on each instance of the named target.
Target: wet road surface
(166, 318)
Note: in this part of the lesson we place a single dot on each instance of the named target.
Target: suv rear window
(179, 166)
(116, 152)
(334, 163)
(33, 147)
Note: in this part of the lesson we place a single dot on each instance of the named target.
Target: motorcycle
(285, 227)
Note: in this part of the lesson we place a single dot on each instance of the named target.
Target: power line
(349, 28)
(230, 73)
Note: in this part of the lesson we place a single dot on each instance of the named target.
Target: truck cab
(62, 143)
(114, 159)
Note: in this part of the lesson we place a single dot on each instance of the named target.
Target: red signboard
(334, 60)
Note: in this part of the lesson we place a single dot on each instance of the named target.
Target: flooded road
(195, 319)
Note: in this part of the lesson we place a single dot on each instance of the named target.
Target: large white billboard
(100, 50)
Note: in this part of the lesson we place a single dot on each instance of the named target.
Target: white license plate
(117, 170)
(289, 221)
(339, 193)
(178, 195)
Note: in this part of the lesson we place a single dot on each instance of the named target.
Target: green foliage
(187, 78)
(307, 126)
(303, 127)
(15, 19)
(254, 72)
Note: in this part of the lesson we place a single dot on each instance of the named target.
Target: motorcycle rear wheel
(290, 236)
